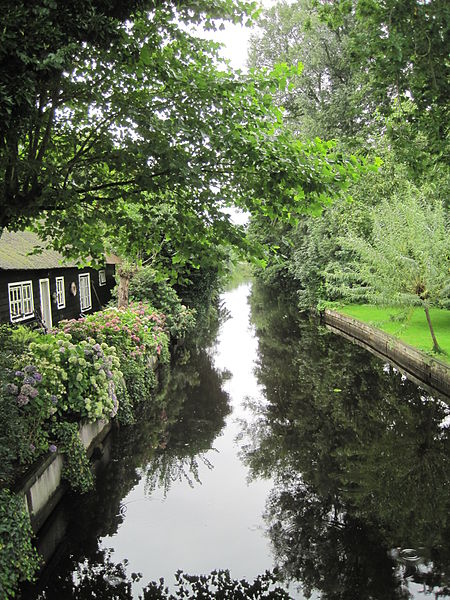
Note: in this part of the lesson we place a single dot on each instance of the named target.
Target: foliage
(148, 285)
(18, 558)
(403, 49)
(135, 331)
(76, 468)
(365, 82)
(89, 370)
(137, 334)
(404, 260)
(406, 256)
(41, 47)
(69, 375)
(239, 272)
(330, 99)
(141, 145)
(13, 430)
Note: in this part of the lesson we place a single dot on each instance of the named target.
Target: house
(46, 286)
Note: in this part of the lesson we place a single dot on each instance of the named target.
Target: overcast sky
(235, 39)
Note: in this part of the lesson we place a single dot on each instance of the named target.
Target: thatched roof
(16, 249)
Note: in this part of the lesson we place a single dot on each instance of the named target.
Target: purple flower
(33, 393)
(12, 389)
(29, 380)
(30, 369)
(97, 347)
(54, 399)
(27, 389)
(109, 374)
(19, 373)
(62, 350)
(52, 448)
(22, 400)
(37, 377)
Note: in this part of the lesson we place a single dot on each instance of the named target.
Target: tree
(42, 42)
(330, 99)
(148, 140)
(406, 258)
(403, 48)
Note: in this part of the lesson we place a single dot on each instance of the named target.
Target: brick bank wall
(423, 368)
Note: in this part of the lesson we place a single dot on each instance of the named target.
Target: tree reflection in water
(358, 456)
(163, 446)
(360, 461)
(198, 407)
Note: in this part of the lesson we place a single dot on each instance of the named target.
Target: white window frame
(102, 277)
(84, 286)
(60, 293)
(23, 301)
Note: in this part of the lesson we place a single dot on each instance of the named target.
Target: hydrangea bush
(86, 369)
(138, 334)
(136, 331)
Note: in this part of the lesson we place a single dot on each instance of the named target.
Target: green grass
(412, 330)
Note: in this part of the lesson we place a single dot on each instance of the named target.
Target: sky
(236, 39)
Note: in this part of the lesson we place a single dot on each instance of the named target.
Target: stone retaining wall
(42, 487)
(419, 366)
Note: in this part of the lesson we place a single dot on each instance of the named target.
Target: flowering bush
(138, 335)
(90, 372)
(136, 331)
(147, 285)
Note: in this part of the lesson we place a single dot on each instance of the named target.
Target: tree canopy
(139, 138)
(375, 78)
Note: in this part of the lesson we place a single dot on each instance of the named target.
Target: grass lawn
(413, 330)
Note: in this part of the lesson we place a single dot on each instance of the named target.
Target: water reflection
(175, 494)
(360, 461)
(348, 461)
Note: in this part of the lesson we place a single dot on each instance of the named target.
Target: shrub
(76, 468)
(147, 285)
(79, 379)
(18, 559)
(137, 334)
(136, 331)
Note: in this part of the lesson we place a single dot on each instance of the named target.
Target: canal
(279, 444)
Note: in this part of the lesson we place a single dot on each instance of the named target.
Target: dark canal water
(279, 445)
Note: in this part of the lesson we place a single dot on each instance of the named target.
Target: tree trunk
(436, 347)
(122, 291)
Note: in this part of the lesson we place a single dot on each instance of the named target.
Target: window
(102, 277)
(85, 291)
(21, 305)
(60, 293)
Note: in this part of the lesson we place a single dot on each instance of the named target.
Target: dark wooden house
(46, 286)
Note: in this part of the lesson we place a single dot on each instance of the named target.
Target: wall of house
(100, 294)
